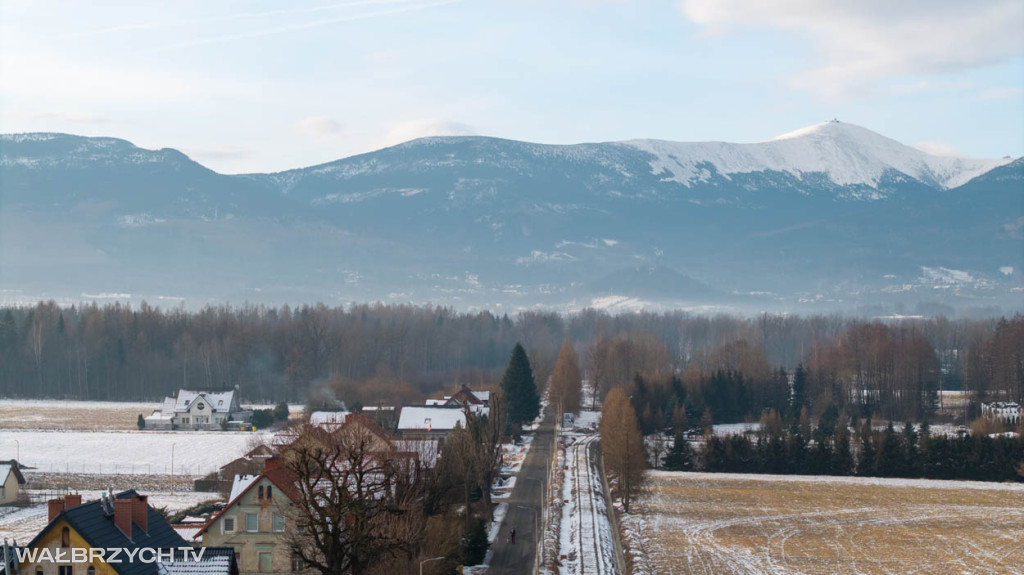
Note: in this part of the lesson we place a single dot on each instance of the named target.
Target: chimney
(72, 500)
(272, 463)
(54, 507)
(140, 511)
(123, 515)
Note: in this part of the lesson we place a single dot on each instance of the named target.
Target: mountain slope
(829, 216)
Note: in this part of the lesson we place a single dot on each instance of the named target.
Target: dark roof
(96, 526)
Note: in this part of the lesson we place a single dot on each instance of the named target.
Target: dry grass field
(752, 524)
(80, 415)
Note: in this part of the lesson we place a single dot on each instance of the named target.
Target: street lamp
(172, 468)
(17, 445)
(427, 561)
(537, 538)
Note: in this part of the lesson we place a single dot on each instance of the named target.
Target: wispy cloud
(859, 43)
(1000, 94)
(399, 132)
(307, 25)
(317, 127)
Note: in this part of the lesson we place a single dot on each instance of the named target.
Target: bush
(262, 418)
(281, 411)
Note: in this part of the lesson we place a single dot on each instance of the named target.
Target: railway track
(589, 526)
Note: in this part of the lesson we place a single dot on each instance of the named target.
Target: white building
(199, 410)
(1007, 412)
(433, 421)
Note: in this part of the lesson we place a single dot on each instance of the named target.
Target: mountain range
(832, 216)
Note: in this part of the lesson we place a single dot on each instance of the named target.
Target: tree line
(731, 365)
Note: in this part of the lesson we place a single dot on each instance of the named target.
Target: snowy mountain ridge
(848, 154)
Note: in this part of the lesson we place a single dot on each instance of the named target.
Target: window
(297, 563)
(264, 561)
(270, 492)
(200, 407)
(90, 571)
(252, 522)
(64, 570)
(220, 402)
(278, 525)
(260, 492)
(65, 537)
(228, 525)
(39, 571)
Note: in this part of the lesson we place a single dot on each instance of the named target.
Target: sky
(259, 86)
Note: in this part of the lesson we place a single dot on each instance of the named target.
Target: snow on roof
(188, 532)
(324, 418)
(5, 470)
(215, 561)
(430, 417)
(219, 402)
(482, 395)
(437, 401)
(241, 483)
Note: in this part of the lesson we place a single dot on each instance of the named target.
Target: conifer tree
(680, 457)
(519, 390)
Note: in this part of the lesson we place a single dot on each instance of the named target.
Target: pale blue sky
(261, 86)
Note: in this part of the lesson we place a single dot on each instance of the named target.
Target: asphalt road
(518, 558)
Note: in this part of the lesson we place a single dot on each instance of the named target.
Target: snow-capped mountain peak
(847, 154)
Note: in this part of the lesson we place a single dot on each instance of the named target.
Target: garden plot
(756, 524)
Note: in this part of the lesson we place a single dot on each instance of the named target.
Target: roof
(214, 561)
(219, 402)
(96, 526)
(327, 417)
(9, 467)
(240, 485)
(282, 478)
(430, 418)
(438, 401)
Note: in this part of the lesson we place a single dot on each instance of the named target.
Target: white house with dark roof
(433, 421)
(198, 410)
(11, 482)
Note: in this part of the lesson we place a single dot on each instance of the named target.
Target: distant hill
(833, 216)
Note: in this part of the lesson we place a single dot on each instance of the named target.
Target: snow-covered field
(86, 415)
(706, 523)
(22, 524)
(195, 453)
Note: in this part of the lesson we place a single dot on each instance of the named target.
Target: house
(252, 462)
(464, 396)
(199, 410)
(433, 421)
(255, 522)
(11, 481)
(124, 521)
(1007, 412)
(327, 419)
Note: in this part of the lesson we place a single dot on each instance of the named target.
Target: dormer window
(187, 401)
(220, 402)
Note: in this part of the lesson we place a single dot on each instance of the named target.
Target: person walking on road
(512, 536)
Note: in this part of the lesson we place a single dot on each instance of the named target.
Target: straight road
(518, 558)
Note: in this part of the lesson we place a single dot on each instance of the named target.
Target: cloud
(1001, 94)
(317, 127)
(859, 43)
(938, 149)
(62, 117)
(404, 131)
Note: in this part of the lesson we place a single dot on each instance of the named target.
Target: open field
(195, 453)
(705, 523)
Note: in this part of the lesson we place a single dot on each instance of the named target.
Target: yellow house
(255, 522)
(11, 481)
(81, 539)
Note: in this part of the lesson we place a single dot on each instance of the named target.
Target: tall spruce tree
(519, 389)
(680, 457)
